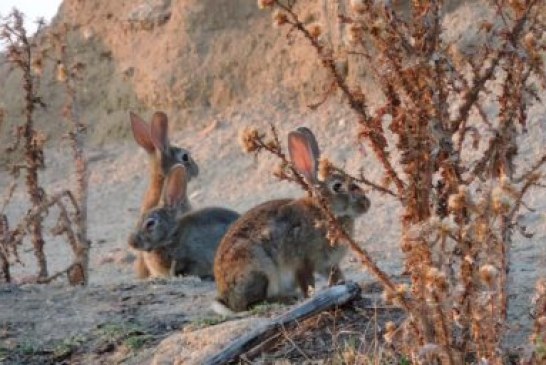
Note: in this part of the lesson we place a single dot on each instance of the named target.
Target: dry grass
(460, 197)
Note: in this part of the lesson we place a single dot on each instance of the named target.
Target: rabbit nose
(132, 241)
(365, 202)
(194, 168)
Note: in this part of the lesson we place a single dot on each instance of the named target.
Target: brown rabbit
(162, 156)
(277, 246)
(180, 244)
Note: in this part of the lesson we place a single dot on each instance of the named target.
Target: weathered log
(326, 299)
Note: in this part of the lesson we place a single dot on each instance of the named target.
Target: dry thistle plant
(538, 338)
(460, 198)
(29, 57)
(69, 72)
(20, 50)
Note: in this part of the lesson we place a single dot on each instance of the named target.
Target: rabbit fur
(275, 248)
(162, 156)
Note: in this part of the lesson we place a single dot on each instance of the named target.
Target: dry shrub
(29, 55)
(456, 177)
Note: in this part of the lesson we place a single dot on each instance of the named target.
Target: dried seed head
(541, 287)
(390, 330)
(456, 202)
(436, 279)
(463, 190)
(38, 66)
(406, 245)
(388, 296)
(315, 30)
(530, 41)
(448, 225)
(279, 172)
(61, 72)
(481, 230)
(457, 317)
(434, 222)
(349, 355)
(39, 139)
(377, 27)
(354, 34)
(518, 6)
(390, 326)
(402, 289)
(87, 33)
(488, 274)
(507, 185)
(358, 6)
(279, 18)
(386, 181)
(263, 4)
(500, 201)
(325, 168)
(249, 139)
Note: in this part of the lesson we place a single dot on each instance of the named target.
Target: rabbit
(180, 244)
(162, 156)
(277, 246)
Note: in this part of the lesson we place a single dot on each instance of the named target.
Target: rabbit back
(271, 251)
(200, 233)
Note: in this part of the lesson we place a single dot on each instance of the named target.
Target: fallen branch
(326, 299)
(66, 271)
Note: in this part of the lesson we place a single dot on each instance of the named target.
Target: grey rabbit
(181, 244)
(162, 156)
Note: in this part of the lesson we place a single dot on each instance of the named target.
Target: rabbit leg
(305, 278)
(172, 270)
(140, 267)
(157, 263)
(250, 290)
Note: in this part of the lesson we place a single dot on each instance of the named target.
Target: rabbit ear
(175, 189)
(304, 153)
(312, 141)
(160, 131)
(141, 133)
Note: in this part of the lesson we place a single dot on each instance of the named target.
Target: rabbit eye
(183, 156)
(150, 223)
(336, 187)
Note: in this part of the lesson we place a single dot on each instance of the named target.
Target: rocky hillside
(191, 58)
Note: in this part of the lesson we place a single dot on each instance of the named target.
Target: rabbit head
(157, 227)
(155, 141)
(344, 197)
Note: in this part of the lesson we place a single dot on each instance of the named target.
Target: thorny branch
(457, 254)
(256, 142)
(356, 100)
(20, 53)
